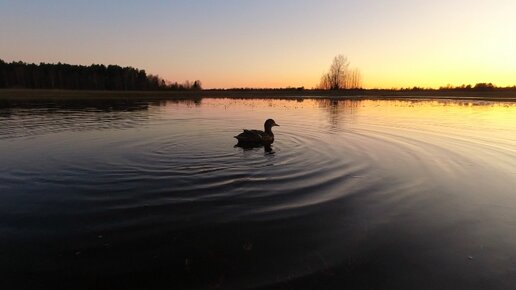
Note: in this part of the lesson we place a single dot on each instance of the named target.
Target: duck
(258, 137)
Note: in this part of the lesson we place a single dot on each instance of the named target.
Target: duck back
(254, 136)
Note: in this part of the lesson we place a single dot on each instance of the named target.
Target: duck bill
(275, 124)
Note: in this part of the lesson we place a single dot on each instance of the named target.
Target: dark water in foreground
(356, 194)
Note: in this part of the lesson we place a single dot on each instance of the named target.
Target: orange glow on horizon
(256, 44)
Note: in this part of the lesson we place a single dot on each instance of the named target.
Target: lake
(359, 194)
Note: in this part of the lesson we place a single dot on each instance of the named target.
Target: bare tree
(338, 72)
(355, 79)
(340, 76)
(325, 82)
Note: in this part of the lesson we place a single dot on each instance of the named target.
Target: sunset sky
(272, 43)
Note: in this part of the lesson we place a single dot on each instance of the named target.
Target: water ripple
(339, 174)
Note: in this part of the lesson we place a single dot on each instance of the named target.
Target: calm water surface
(355, 194)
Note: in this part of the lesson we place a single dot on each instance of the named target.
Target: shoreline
(498, 95)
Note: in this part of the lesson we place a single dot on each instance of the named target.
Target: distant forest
(80, 77)
(339, 79)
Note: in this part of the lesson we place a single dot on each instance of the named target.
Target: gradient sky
(272, 43)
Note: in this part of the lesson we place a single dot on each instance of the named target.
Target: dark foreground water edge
(359, 194)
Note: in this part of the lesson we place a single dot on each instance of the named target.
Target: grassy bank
(493, 95)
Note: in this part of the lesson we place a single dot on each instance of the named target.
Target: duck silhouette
(256, 138)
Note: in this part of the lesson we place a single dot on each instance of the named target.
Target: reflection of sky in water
(413, 187)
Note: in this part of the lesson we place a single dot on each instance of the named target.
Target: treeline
(80, 77)
(246, 89)
(464, 87)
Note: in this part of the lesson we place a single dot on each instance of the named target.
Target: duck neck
(268, 130)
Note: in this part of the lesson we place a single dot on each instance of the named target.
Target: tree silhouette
(484, 86)
(78, 77)
(339, 76)
(197, 85)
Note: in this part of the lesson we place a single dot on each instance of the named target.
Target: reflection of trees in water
(22, 118)
(188, 102)
(105, 105)
(445, 103)
(69, 108)
(339, 110)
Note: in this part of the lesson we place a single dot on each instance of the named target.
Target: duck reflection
(267, 148)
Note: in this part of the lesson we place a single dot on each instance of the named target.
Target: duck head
(269, 124)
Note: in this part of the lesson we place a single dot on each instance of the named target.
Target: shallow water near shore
(365, 194)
